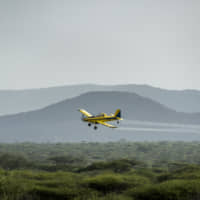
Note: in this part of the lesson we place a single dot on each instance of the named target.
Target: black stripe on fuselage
(101, 119)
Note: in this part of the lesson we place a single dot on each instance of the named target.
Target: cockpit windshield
(100, 115)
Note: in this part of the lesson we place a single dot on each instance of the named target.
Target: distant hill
(61, 121)
(15, 101)
(179, 100)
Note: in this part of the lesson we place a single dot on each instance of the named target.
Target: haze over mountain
(15, 101)
(61, 122)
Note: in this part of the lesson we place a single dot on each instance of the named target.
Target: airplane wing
(87, 114)
(106, 124)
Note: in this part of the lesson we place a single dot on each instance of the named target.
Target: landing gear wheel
(95, 127)
(118, 122)
(89, 124)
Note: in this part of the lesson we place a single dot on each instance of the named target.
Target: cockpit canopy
(100, 115)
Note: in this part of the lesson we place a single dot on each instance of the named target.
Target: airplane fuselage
(102, 118)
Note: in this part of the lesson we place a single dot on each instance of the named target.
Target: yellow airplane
(102, 118)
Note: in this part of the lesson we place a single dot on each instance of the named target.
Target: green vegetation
(95, 171)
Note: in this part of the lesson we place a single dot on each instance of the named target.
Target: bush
(173, 190)
(189, 172)
(11, 161)
(13, 187)
(117, 166)
(107, 183)
(22, 185)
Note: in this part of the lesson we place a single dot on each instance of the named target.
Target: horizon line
(97, 84)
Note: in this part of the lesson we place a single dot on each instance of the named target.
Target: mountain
(15, 101)
(179, 100)
(61, 121)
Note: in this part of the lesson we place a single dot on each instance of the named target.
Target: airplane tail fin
(118, 113)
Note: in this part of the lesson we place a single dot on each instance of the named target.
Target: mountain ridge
(27, 100)
(62, 120)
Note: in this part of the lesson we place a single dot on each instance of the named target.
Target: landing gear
(117, 122)
(95, 127)
(89, 124)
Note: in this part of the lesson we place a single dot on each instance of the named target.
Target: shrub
(107, 183)
(118, 166)
(173, 190)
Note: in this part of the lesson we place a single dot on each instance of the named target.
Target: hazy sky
(54, 42)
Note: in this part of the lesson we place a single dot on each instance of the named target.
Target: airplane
(101, 118)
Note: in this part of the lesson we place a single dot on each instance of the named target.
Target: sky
(46, 43)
